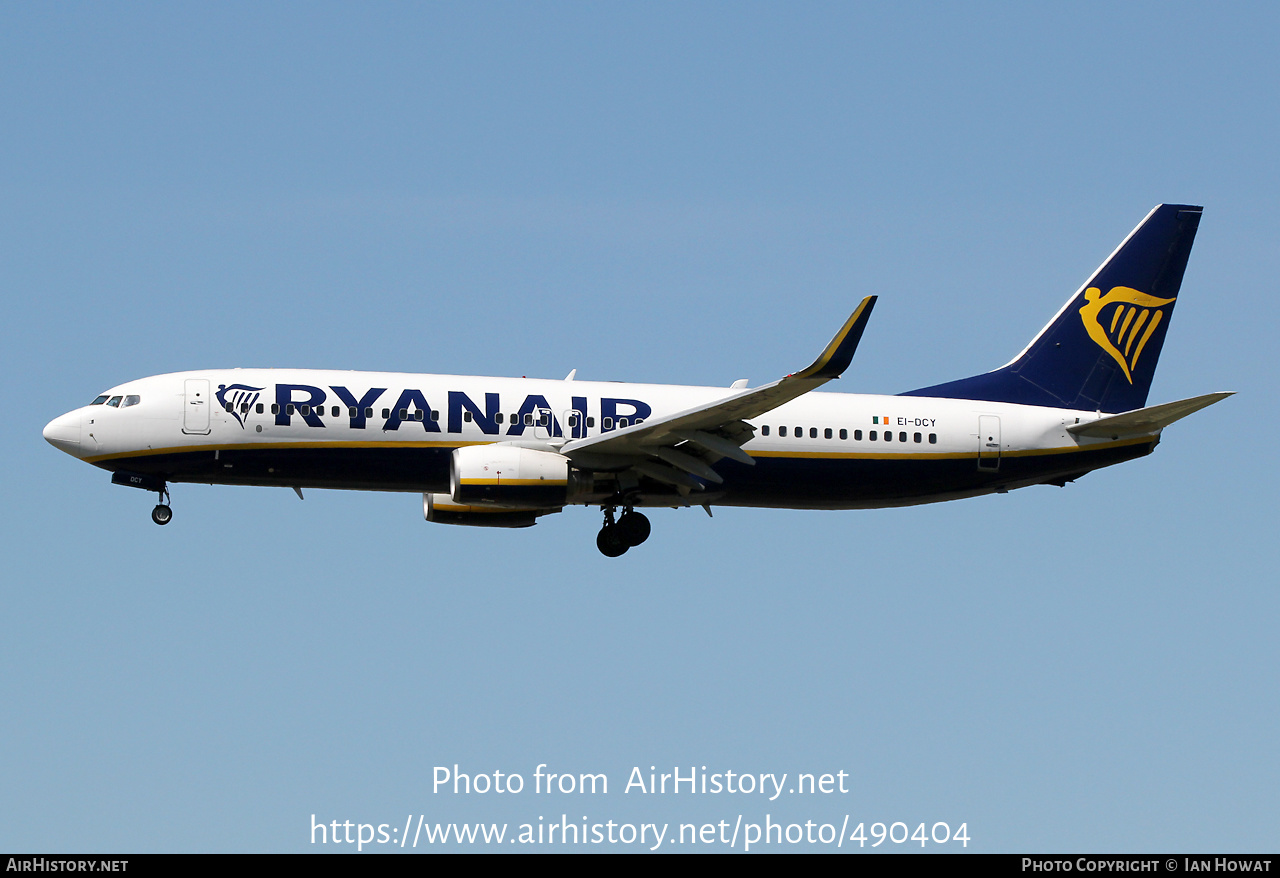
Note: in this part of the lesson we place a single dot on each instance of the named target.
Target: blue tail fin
(1099, 352)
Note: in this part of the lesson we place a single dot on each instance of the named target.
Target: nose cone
(63, 433)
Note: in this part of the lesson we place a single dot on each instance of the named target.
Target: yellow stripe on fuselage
(511, 482)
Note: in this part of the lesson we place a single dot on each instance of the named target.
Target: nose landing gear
(616, 536)
(162, 514)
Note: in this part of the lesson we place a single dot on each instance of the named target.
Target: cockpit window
(100, 400)
(131, 399)
(115, 400)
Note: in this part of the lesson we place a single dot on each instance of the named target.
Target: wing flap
(717, 445)
(686, 462)
(668, 475)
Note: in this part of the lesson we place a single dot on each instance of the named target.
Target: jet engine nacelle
(511, 476)
(441, 509)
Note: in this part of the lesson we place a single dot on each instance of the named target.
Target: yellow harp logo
(1133, 317)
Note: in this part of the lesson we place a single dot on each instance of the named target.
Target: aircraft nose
(63, 433)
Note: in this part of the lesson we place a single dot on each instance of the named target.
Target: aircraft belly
(836, 482)
(868, 483)
(390, 468)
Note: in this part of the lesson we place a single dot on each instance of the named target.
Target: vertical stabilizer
(1100, 351)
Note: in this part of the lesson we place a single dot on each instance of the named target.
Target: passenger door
(195, 407)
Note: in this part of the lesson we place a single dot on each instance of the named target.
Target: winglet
(839, 353)
(715, 425)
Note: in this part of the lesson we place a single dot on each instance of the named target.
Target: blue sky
(688, 193)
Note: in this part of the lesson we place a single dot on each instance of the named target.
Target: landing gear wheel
(633, 528)
(610, 542)
(162, 514)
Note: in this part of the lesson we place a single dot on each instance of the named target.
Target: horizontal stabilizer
(1147, 420)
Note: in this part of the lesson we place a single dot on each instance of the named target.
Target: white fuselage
(396, 432)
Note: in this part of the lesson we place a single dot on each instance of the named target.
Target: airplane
(502, 452)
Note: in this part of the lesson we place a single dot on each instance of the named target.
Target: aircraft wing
(1146, 420)
(718, 429)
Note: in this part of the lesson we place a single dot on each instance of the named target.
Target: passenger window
(435, 415)
(764, 431)
(230, 407)
(466, 416)
(304, 410)
(917, 437)
(782, 431)
(368, 413)
(813, 432)
(573, 420)
(798, 432)
(826, 434)
(404, 414)
(528, 420)
(844, 434)
(888, 435)
(334, 411)
(288, 409)
(591, 422)
(418, 415)
(275, 408)
(100, 400)
(386, 415)
(933, 438)
(902, 437)
(499, 417)
(258, 408)
(353, 412)
(244, 407)
(622, 422)
(872, 436)
(857, 436)
(607, 424)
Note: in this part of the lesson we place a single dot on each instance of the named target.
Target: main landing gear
(162, 514)
(630, 529)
